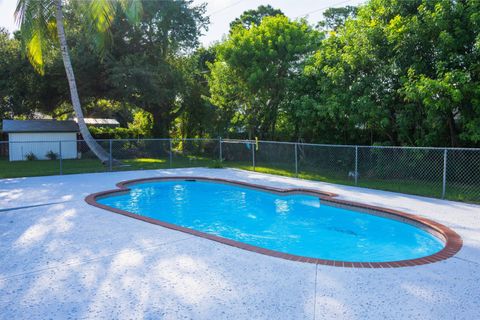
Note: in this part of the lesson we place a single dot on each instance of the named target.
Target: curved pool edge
(452, 240)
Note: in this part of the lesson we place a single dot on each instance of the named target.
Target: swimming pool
(298, 223)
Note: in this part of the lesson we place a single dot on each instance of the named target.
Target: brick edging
(453, 241)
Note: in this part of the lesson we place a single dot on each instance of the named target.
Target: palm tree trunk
(77, 108)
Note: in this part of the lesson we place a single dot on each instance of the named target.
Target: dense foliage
(389, 72)
(402, 72)
(254, 69)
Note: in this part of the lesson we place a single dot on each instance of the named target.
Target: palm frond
(37, 22)
(101, 14)
(34, 17)
(133, 10)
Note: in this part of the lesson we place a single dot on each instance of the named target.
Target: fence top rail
(47, 141)
(287, 143)
(421, 148)
(252, 142)
(113, 140)
(239, 141)
(194, 139)
(165, 139)
(137, 139)
(347, 145)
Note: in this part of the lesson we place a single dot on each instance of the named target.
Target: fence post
(110, 158)
(170, 158)
(356, 165)
(220, 149)
(253, 155)
(296, 159)
(60, 156)
(444, 182)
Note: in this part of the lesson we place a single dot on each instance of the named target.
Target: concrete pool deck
(62, 258)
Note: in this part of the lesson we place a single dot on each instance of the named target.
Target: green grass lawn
(47, 167)
(456, 192)
(467, 193)
(16, 169)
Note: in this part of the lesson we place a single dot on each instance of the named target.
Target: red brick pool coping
(453, 242)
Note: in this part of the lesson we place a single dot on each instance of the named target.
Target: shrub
(217, 164)
(31, 156)
(51, 155)
(112, 133)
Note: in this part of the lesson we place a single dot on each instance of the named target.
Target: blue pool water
(295, 224)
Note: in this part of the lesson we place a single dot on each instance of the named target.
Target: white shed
(39, 137)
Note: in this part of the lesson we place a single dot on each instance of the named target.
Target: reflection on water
(295, 224)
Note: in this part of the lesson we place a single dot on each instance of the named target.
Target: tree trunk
(77, 108)
(452, 130)
(161, 123)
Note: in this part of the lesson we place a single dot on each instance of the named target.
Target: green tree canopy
(403, 72)
(254, 17)
(259, 63)
(335, 18)
(141, 69)
(389, 72)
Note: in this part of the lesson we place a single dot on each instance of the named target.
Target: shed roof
(99, 121)
(11, 126)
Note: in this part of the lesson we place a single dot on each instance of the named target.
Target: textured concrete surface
(61, 258)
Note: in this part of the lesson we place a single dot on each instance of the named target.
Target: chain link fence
(450, 173)
(447, 173)
(327, 163)
(407, 170)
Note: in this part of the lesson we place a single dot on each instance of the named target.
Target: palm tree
(38, 18)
